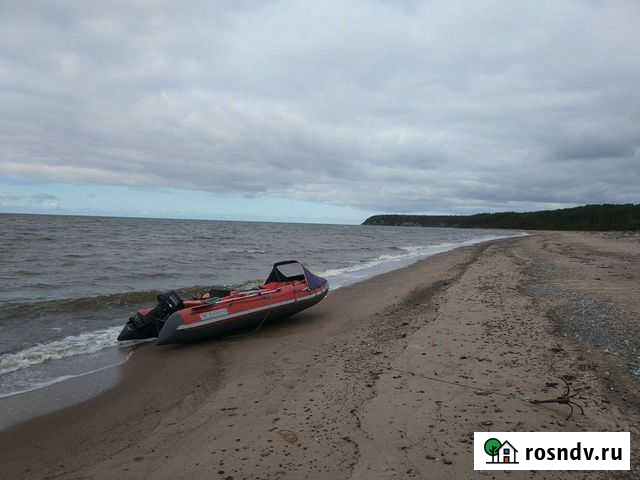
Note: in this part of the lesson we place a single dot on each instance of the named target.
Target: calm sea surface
(67, 284)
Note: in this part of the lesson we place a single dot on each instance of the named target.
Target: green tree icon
(492, 446)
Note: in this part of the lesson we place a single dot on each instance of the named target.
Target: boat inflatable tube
(289, 289)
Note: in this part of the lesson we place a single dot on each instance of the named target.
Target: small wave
(414, 251)
(63, 378)
(26, 273)
(410, 252)
(88, 303)
(133, 298)
(246, 251)
(83, 344)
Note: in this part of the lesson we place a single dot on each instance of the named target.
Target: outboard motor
(148, 324)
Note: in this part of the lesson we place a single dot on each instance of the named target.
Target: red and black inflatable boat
(289, 289)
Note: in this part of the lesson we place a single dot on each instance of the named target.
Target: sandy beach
(387, 378)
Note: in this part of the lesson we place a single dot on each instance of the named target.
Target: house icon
(500, 452)
(507, 453)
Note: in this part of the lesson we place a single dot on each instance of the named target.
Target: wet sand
(388, 378)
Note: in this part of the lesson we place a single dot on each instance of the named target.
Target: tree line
(587, 217)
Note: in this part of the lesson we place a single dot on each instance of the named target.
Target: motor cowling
(147, 325)
(167, 304)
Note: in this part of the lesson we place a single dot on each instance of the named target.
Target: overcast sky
(319, 111)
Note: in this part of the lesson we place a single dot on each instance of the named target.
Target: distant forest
(588, 217)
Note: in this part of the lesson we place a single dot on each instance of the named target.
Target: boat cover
(276, 275)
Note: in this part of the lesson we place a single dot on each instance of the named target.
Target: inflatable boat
(289, 289)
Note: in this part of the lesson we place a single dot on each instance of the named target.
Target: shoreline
(354, 388)
(69, 390)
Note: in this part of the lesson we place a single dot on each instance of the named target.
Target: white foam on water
(85, 343)
(341, 277)
(63, 378)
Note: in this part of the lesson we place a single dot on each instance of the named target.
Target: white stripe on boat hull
(248, 312)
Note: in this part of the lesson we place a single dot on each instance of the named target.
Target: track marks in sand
(474, 367)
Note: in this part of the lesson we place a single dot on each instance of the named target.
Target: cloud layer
(390, 106)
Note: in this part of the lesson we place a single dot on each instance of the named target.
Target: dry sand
(388, 378)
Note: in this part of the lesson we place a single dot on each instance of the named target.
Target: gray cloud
(385, 106)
